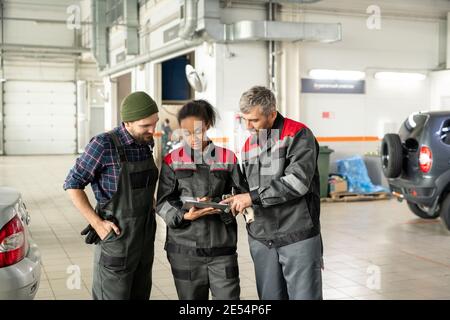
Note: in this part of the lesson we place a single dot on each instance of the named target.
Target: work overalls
(123, 263)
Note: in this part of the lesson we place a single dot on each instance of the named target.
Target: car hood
(8, 197)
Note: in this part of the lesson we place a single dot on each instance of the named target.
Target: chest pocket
(184, 174)
(220, 174)
(143, 179)
(272, 165)
(251, 168)
(186, 183)
(219, 183)
(279, 152)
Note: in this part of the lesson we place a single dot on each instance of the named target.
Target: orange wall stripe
(220, 139)
(216, 139)
(349, 139)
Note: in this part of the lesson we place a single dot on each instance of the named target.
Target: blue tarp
(355, 171)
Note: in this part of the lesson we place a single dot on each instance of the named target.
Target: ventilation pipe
(212, 29)
(99, 31)
(291, 1)
(195, 28)
(132, 25)
(188, 24)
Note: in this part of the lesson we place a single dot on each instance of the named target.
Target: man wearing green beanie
(119, 166)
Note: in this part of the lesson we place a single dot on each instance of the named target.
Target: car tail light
(12, 242)
(425, 159)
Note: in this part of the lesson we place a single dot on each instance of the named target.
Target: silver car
(20, 268)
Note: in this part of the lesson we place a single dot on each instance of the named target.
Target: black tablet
(188, 204)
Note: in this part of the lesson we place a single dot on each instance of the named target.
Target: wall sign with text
(333, 86)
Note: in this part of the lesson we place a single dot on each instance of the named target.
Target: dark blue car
(416, 162)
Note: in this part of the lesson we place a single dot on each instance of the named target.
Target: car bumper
(21, 280)
(424, 194)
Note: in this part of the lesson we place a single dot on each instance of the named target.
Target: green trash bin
(324, 169)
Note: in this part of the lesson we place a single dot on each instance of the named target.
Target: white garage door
(40, 117)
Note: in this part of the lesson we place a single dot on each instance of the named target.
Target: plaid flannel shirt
(99, 164)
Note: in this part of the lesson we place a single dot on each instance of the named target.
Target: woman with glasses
(201, 242)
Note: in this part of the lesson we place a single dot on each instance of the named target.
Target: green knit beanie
(136, 106)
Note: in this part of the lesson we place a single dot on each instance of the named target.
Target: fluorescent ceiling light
(325, 74)
(400, 76)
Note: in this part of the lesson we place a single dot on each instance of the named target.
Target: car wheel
(422, 212)
(445, 211)
(391, 155)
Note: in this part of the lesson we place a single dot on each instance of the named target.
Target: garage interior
(351, 70)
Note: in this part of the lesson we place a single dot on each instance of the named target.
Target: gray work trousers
(291, 272)
(195, 276)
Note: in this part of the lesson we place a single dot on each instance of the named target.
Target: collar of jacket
(210, 149)
(277, 125)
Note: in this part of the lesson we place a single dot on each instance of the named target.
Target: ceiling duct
(42, 49)
(132, 24)
(201, 21)
(291, 1)
(282, 31)
(99, 32)
(210, 27)
(188, 23)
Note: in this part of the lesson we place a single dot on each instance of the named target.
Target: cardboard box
(338, 184)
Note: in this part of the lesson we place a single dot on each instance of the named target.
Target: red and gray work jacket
(186, 175)
(281, 169)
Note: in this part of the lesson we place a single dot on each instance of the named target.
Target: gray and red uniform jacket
(186, 175)
(281, 170)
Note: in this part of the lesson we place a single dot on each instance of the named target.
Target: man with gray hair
(280, 163)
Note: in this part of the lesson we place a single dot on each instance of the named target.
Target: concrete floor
(373, 250)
